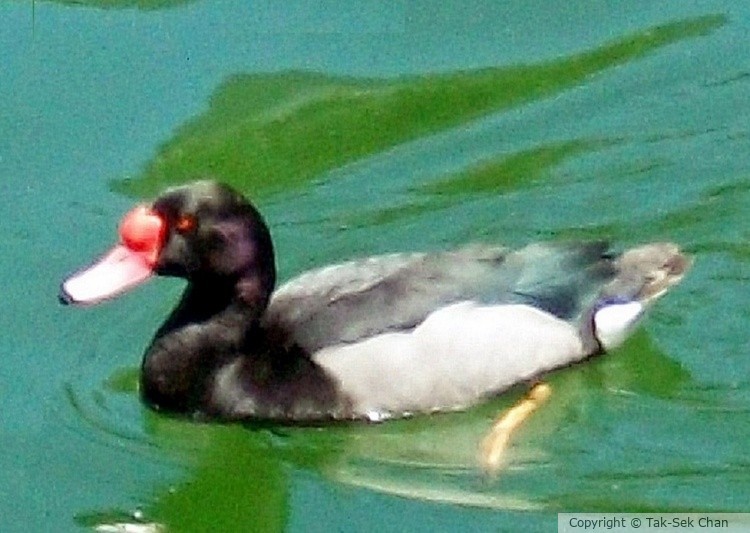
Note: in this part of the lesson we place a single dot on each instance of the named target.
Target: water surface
(359, 129)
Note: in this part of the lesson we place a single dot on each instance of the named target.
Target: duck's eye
(185, 224)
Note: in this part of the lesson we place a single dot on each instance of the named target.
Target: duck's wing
(349, 302)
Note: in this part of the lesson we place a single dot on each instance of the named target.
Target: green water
(360, 128)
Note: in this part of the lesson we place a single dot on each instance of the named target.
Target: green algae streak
(265, 133)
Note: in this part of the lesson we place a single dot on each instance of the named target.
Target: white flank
(459, 355)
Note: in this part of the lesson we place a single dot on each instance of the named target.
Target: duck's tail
(643, 274)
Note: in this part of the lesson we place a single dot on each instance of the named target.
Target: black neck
(210, 324)
(215, 330)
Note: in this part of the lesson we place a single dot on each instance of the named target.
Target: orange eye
(186, 224)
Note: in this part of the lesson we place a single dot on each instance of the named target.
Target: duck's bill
(117, 271)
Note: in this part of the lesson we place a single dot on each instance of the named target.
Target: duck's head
(204, 232)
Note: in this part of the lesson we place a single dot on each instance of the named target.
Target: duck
(371, 339)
